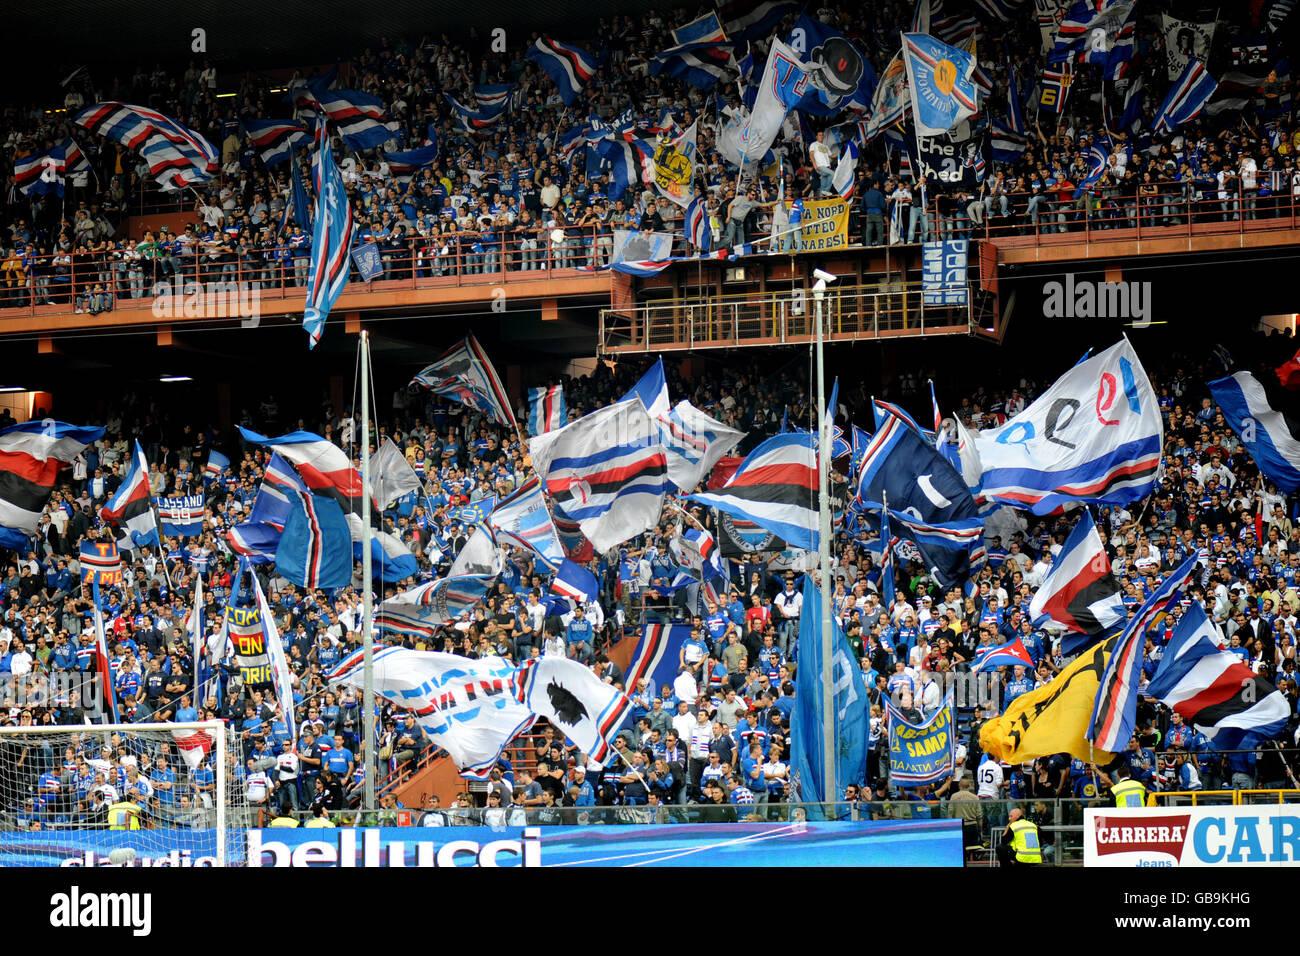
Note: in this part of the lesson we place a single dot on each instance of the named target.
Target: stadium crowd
(510, 197)
(720, 731)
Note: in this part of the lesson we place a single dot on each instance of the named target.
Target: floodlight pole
(367, 604)
(829, 793)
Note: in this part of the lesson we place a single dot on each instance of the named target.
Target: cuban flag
(1186, 98)
(939, 76)
(546, 409)
(1271, 437)
(521, 518)
(31, 456)
(315, 549)
(571, 67)
(130, 510)
(607, 471)
(1094, 436)
(275, 140)
(775, 488)
(1214, 690)
(1003, 655)
(573, 699)
(1114, 714)
(465, 374)
(574, 581)
(331, 241)
(1080, 593)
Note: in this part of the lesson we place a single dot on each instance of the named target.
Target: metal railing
(852, 312)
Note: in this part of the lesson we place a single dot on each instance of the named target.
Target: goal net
(121, 795)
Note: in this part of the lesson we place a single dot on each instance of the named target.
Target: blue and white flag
(949, 549)
(177, 156)
(644, 250)
(925, 752)
(1100, 32)
(359, 117)
(571, 67)
(521, 518)
(45, 172)
(843, 180)
(1186, 98)
(847, 711)
(693, 443)
(1094, 436)
(656, 656)
(574, 581)
(887, 542)
(743, 20)
(784, 83)
(1098, 155)
(491, 95)
(130, 510)
(331, 241)
(697, 229)
(1010, 654)
(1270, 438)
(182, 516)
(574, 700)
(546, 409)
(464, 705)
(939, 77)
(315, 550)
(402, 166)
(901, 468)
(281, 674)
(652, 390)
(891, 101)
(701, 64)
(473, 512)
(839, 76)
(705, 29)
(419, 611)
(216, 465)
(618, 158)
(476, 117)
(390, 559)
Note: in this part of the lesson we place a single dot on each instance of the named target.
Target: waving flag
(1272, 438)
(899, 466)
(256, 541)
(45, 172)
(655, 656)
(1097, 162)
(949, 549)
(1080, 593)
(574, 581)
(1186, 98)
(697, 228)
(1114, 715)
(391, 475)
(130, 511)
(479, 556)
(607, 471)
(473, 512)
(275, 140)
(521, 518)
(743, 20)
(652, 390)
(707, 28)
(847, 710)
(840, 77)
(103, 673)
(1002, 655)
(391, 560)
(358, 117)
(31, 455)
(1095, 435)
(546, 409)
(418, 611)
(281, 675)
(891, 101)
(785, 79)
(476, 117)
(693, 443)
(1055, 87)
(464, 373)
(331, 242)
(466, 706)
(322, 466)
(574, 700)
(1100, 32)
(571, 67)
(315, 549)
(939, 78)
(775, 488)
(1214, 690)
(181, 516)
(215, 466)
(701, 64)
(402, 166)
(490, 95)
(843, 181)
(670, 165)
(177, 156)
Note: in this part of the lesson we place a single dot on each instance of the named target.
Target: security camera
(824, 276)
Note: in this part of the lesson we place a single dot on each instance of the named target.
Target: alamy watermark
(208, 300)
(1083, 299)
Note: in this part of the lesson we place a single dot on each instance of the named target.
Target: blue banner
(943, 272)
(921, 753)
(369, 265)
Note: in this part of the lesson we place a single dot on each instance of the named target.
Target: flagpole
(367, 602)
(829, 793)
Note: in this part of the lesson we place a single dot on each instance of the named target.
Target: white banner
(1185, 41)
(1253, 835)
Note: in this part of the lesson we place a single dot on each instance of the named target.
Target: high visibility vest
(1024, 842)
(1129, 793)
(124, 815)
(318, 822)
(285, 822)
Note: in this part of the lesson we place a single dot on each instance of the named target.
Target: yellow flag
(1052, 719)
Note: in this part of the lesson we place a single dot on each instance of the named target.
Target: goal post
(148, 794)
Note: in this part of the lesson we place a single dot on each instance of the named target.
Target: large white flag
(279, 663)
(783, 85)
(479, 556)
(693, 444)
(1095, 435)
(584, 708)
(466, 706)
(393, 477)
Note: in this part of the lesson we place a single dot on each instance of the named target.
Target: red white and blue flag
(465, 374)
(275, 140)
(1002, 655)
(1114, 713)
(577, 702)
(315, 549)
(1214, 690)
(574, 581)
(571, 67)
(775, 488)
(521, 518)
(129, 512)
(546, 409)
(331, 242)
(1080, 593)
(31, 455)
(1186, 98)
(177, 156)
(181, 516)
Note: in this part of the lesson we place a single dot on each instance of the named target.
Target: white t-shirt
(989, 777)
(821, 156)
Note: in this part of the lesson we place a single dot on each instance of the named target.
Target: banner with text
(921, 753)
(1248, 835)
